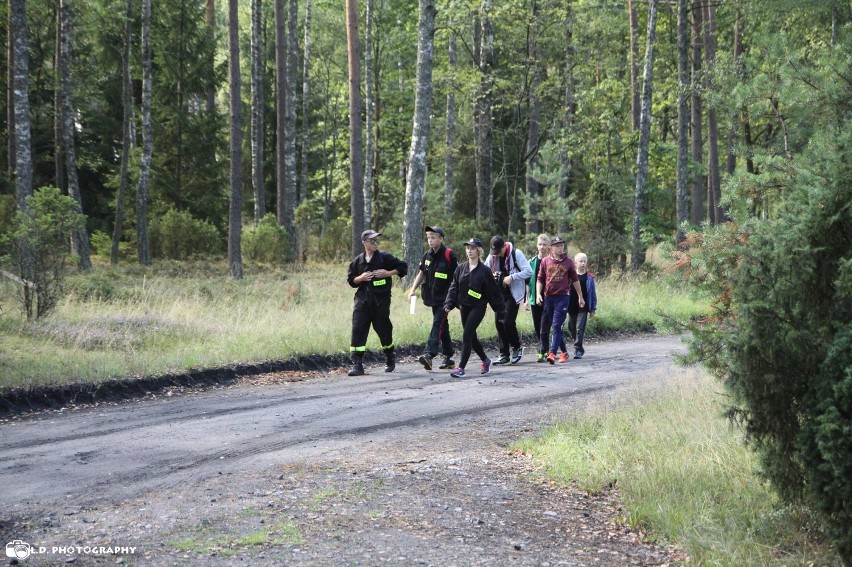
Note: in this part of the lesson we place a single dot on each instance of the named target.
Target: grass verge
(175, 317)
(684, 475)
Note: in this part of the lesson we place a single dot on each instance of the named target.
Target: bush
(266, 242)
(178, 236)
(39, 244)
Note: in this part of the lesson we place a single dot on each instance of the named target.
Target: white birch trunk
(143, 247)
(257, 111)
(235, 259)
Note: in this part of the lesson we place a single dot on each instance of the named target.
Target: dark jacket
(438, 274)
(377, 289)
(475, 287)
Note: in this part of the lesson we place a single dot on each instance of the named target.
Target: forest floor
(409, 468)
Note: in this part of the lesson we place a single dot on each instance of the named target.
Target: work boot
(357, 366)
(390, 363)
(426, 361)
(448, 362)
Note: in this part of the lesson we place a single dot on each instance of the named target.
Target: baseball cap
(474, 242)
(369, 233)
(437, 230)
(556, 240)
(497, 243)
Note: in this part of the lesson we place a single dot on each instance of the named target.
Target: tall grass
(684, 474)
(133, 321)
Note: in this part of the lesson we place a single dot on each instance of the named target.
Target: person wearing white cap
(371, 273)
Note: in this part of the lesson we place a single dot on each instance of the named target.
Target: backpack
(515, 260)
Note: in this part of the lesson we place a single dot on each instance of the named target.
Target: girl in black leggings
(472, 289)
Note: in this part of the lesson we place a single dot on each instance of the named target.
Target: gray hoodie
(519, 272)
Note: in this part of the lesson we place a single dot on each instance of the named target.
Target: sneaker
(426, 361)
(578, 355)
(504, 359)
(458, 373)
(486, 366)
(542, 357)
(563, 357)
(517, 355)
(447, 363)
(551, 358)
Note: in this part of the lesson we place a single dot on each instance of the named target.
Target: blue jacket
(592, 293)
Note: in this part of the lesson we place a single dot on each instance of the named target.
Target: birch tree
(258, 106)
(306, 83)
(370, 107)
(415, 183)
(714, 209)
(126, 139)
(565, 161)
(290, 128)
(143, 247)
(356, 172)
(235, 260)
(10, 89)
(79, 237)
(533, 225)
(280, 113)
(635, 105)
(485, 104)
(698, 182)
(682, 117)
(449, 155)
(638, 253)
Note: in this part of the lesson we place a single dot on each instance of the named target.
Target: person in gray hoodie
(512, 272)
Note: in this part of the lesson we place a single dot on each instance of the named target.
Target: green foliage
(781, 320)
(8, 206)
(266, 243)
(39, 240)
(178, 236)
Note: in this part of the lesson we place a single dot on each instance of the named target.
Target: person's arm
(417, 281)
(540, 281)
(524, 268)
(397, 268)
(453, 292)
(354, 279)
(593, 296)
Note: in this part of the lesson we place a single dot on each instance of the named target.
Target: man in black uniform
(371, 273)
(436, 272)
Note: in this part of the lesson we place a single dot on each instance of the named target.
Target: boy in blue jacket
(577, 316)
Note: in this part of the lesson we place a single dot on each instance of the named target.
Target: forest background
(718, 130)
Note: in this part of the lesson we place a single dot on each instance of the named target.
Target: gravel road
(408, 468)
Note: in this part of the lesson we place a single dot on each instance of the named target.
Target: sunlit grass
(683, 473)
(172, 317)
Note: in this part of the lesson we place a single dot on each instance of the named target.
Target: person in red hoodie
(556, 277)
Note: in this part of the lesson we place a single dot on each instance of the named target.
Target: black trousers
(374, 311)
(440, 333)
(537, 313)
(507, 331)
(577, 328)
(471, 318)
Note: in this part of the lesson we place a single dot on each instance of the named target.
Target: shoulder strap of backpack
(447, 252)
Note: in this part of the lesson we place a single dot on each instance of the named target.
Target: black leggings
(471, 318)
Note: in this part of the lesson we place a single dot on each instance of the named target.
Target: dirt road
(406, 468)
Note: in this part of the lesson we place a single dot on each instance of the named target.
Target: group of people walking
(553, 287)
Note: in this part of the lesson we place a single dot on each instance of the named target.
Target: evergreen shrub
(178, 236)
(266, 243)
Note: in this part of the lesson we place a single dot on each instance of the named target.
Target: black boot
(390, 364)
(357, 365)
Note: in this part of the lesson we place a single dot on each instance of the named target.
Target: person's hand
(412, 293)
(381, 274)
(447, 309)
(365, 277)
(538, 299)
(591, 314)
(582, 303)
(507, 281)
(526, 305)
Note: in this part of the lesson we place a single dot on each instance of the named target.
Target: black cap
(474, 242)
(436, 230)
(369, 233)
(556, 240)
(497, 243)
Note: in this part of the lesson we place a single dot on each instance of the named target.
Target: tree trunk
(682, 118)
(567, 118)
(10, 93)
(290, 174)
(58, 154)
(356, 172)
(714, 208)
(533, 222)
(485, 139)
(210, 14)
(21, 88)
(698, 183)
(235, 259)
(638, 253)
(449, 156)
(79, 237)
(731, 165)
(634, 62)
(415, 185)
(306, 82)
(370, 112)
(257, 111)
(143, 247)
(280, 112)
(126, 139)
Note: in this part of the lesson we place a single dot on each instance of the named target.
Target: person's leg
(432, 343)
(473, 321)
(444, 339)
(536, 311)
(502, 334)
(467, 337)
(358, 342)
(560, 311)
(384, 328)
(582, 319)
(511, 324)
(546, 322)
